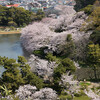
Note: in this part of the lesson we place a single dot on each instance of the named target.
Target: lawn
(82, 98)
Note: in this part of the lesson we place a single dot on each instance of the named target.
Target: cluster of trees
(17, 73)
(92, 9)
(95, 25)
(64, 66)
(94, 21)
(18, 16)
(93, 58)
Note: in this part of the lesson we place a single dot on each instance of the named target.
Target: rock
(41, 67)
(45, 94)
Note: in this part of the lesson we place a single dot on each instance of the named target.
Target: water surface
(10, 45)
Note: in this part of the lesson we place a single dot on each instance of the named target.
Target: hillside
(64, 57)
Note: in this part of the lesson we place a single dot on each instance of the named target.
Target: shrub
(69, 38)
(69, 97)
(50, 57)
(63, 97)
(68, 64)
(79, 94)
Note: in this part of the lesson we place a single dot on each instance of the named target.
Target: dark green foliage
(68, 64)
(39, 15)
(12, 23)
(69, 38)
(39, 53)
(94, 25)
(34, 80)
(18, 16)
(93, 58)
(21, 60)
(50, 57)
(94, 20)
(83, 3)
(18, 73)
(88, 9)
(67, 49)
(95, 36)
(63, 95)
(64, 66)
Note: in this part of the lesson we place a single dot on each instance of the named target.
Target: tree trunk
(95, 73)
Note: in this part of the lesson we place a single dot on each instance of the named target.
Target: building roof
(14, 5)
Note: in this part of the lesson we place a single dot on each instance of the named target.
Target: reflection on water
(10, 45)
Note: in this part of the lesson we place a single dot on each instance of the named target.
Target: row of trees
(18, 16)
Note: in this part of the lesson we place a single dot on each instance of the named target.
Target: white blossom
(25, 92)
(45, 94)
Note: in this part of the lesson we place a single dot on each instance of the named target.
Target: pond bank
(10, 32)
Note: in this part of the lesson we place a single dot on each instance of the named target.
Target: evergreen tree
(93, 58)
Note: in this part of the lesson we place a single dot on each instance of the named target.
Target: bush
(68, 64)
(69, 97)
(79, 94)
(63, 97)
(69, 38)
(50, 57)
(40, 52)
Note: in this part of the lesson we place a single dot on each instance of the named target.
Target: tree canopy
(93, 58)
(18, 73)
(18, 16)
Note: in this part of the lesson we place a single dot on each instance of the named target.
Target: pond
(10, 47)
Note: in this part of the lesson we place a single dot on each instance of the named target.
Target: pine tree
(93, 58)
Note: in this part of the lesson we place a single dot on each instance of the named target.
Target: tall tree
(93, 58)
